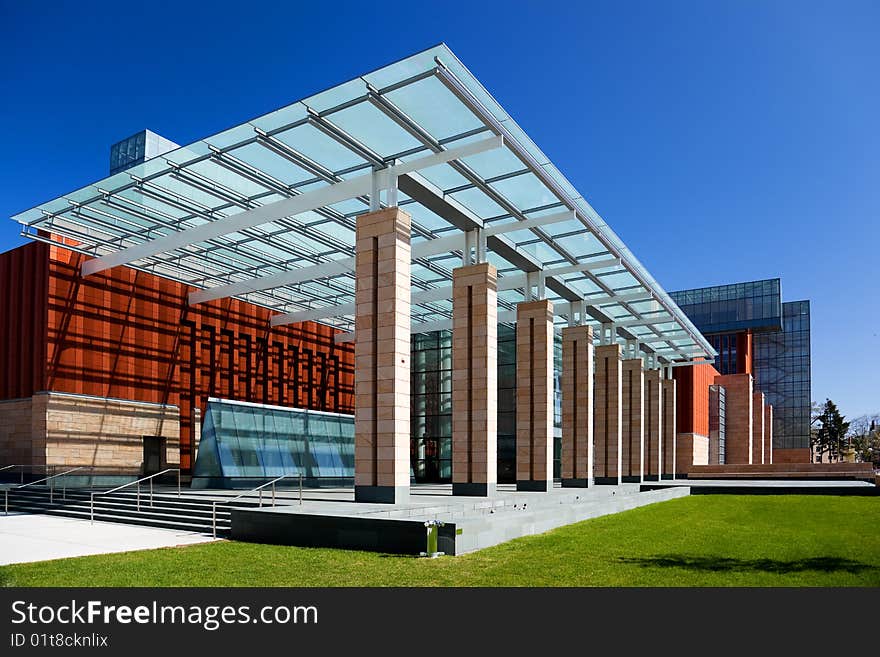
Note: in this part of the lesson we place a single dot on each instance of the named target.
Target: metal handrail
(252, 490)
(39, 481)
(25, 466)
(132, 483)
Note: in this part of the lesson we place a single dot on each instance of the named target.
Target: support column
(382, 357)
(669, 429)
(534, 396)
(474, 380)
(653, 425)
(758, 428)
(632, 446)
(577, 406)
(607, 414)
(738, 417)
(768, 433)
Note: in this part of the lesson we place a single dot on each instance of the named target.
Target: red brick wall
(132, 335)
(797, 455)
(693, 397)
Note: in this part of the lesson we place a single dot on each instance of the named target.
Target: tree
(815, 414)
(865, 439)
(831, 432)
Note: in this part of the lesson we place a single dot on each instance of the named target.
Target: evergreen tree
(831, 432)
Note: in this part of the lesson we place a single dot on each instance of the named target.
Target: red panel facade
(692, 403)
(23, 302)
(132, 335)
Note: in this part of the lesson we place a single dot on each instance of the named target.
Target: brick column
(534, 396)
(382, 357)
(653, 425)
(474, 380)
(768, 433)
(670, 428)
(607, 415)
(738, 417)
(577, 406)
(632, 445)
(757, 428)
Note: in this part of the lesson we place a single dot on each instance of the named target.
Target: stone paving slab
(33, 537)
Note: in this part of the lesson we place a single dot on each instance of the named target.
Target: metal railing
(51, 487)
(132, 483)
(254, 490)
(24, 467)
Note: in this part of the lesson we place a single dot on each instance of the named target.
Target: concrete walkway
(26, 537)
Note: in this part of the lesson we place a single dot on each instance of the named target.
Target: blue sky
(723, 141)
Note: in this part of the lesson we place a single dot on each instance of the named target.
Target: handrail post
(151, 493)
(214, 518)
(178, 482)
(273, 493)
(52, 491)
(300, 488)
(22, 474)
(6, 502)
(138, 496)
(261, 498)
(92, 506)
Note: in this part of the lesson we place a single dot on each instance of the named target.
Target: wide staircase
(191, 513)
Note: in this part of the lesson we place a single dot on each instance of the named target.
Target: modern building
(394, 248)
(754, 332)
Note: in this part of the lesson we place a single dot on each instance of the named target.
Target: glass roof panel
(233, 172)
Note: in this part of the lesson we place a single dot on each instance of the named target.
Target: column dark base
(534, 485)
(575, 483)
(607, 481)
(651, 477)
(666, 476)
(631, 479)
(381, 494)
(472, 489)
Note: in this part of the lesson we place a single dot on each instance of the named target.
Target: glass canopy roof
(426, 104)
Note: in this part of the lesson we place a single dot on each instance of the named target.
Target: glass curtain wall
(782, 373)
(244, 445)
(431, 414)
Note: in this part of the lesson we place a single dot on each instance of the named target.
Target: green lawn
(721, 540)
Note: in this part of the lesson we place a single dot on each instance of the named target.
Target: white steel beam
(537, 222)
(288, 207)
(515, 281)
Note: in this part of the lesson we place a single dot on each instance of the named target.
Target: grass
(722, 540)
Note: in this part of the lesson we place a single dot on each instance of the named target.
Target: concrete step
(168, 522)
(166, 513)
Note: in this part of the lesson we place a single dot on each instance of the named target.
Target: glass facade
(734, 307)
(780, 348)
(782, 372)
(245, 444)
(431, 409)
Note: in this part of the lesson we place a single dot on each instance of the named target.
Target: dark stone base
(382, 494)
(534, 485)
(607, 481)
(631, 479)
(651, 477)
(575, 483)
(473, 490)
(346, 532)
(666, 476)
